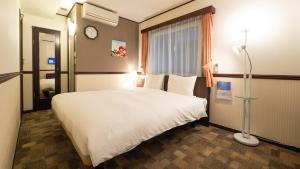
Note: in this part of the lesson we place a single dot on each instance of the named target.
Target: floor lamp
(244, 137)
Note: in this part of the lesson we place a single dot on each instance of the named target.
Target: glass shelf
(246, 98)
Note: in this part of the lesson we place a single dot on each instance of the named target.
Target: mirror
(46, 67)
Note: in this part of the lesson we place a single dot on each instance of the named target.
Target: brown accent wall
(95, 55)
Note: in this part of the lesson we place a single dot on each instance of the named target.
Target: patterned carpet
(43, 144)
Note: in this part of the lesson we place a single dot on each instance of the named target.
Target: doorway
(46, 66)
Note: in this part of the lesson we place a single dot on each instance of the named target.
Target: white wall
(56, 23)
(274, 45)
(273, 38)
(9, 90)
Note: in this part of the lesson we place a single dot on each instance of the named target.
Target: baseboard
(203, 121)
(17, 141)
(296, 149)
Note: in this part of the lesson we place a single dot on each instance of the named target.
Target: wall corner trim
(7, 76)
(260, 76)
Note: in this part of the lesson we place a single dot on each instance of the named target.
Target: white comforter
(107, 123)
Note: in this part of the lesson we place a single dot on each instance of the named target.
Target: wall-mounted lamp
(71, 27)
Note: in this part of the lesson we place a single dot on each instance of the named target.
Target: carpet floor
(43, 144)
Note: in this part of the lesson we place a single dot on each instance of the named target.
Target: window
(174, 49)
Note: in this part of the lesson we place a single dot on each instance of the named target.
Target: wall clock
(90, 32)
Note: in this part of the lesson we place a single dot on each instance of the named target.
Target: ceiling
(136, 10)
(45, 8)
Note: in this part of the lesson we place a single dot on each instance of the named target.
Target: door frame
(37, 104)
(21, 16)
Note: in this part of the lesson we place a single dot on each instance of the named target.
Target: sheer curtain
(175, 49)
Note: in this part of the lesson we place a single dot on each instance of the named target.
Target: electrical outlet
(216, 68)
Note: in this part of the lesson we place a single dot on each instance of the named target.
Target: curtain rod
(209, 9)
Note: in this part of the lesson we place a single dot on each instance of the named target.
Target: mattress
(104, 124)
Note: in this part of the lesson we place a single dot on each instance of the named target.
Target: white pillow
(182, 85)
(154, 81)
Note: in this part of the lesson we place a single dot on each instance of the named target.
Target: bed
(104, 124)
(47, 84)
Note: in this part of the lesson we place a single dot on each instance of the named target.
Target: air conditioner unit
(101, 15)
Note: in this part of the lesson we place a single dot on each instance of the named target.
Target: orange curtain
(144, 51)
(207, 26)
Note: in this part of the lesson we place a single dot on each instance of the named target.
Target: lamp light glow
(134, 75)
(71, 27)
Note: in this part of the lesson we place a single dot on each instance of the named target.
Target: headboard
(50, 75)
(200, 90)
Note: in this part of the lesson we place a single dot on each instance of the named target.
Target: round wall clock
(90, 32)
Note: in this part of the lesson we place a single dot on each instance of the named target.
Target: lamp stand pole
(244, 137)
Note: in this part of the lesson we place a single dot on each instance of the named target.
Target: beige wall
(274, 47)
(56, 23)
(9, 34)
(9, 90)
(273, 38)
(9, 121)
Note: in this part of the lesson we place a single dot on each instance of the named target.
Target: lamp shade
(237, 49)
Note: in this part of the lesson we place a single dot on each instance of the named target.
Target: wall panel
(9, 120)
(275, 115)
(9, 88)
(103, 82)
(27, 92)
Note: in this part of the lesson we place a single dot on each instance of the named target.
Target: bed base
(100, 166)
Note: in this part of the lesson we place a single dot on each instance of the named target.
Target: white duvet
(107, 123)
(47, 84)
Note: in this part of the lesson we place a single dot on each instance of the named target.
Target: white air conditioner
(95, 13)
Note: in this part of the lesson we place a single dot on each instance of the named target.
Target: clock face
(91, 32)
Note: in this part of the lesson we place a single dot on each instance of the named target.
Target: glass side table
(245, 137)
